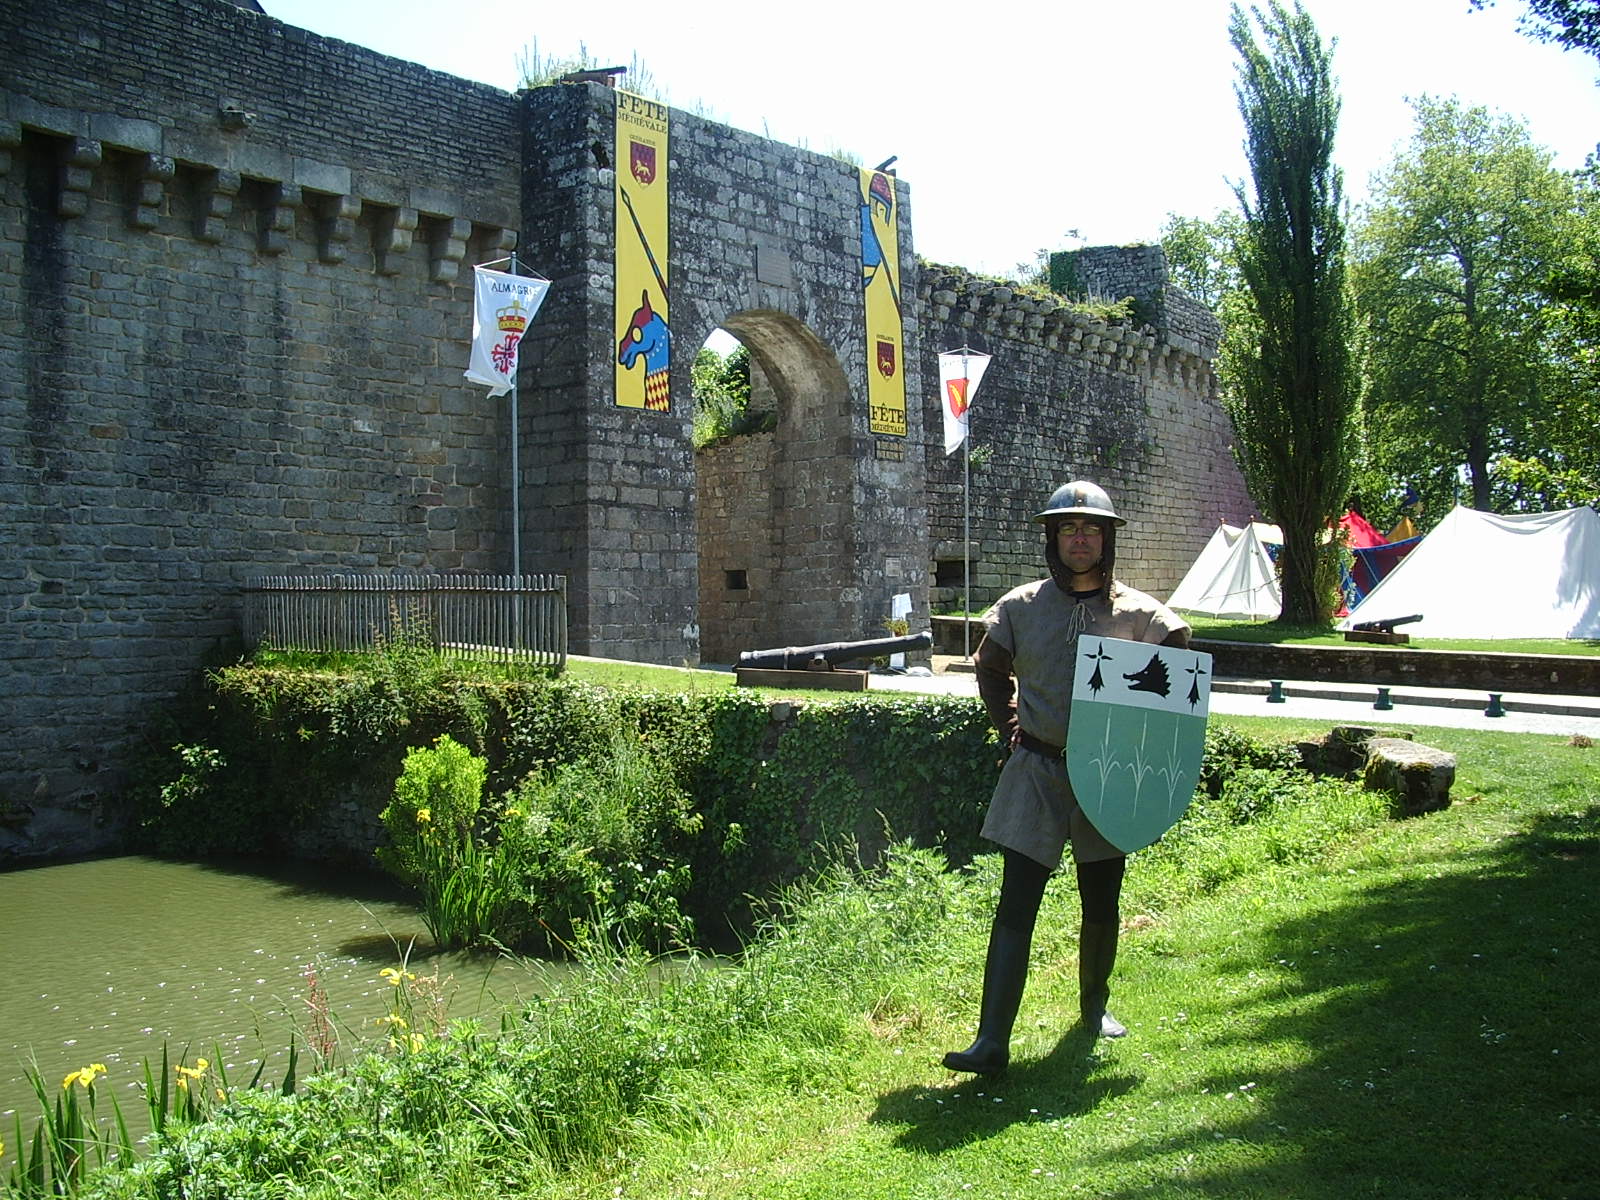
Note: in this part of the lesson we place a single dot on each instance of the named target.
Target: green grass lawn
(1325, 1003)
(1271, 632)
(642, 677)
(1408, 1015)
(1265, 631)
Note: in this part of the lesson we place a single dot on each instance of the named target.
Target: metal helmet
(1080, 498)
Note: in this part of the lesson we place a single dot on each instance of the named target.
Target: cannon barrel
(827, 655)
(1385, 626)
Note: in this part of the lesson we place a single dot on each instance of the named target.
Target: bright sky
(1015, 121)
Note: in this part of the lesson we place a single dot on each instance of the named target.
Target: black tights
(1022, 889)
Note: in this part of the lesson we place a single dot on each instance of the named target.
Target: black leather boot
(1097, 953)
(1004, 973)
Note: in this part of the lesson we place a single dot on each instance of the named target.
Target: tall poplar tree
(1292, 386)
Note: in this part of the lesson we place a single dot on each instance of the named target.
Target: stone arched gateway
(777, 526)
(239, 310)
(764, 243)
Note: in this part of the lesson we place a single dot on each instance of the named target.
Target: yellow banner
(639, 306)
(880, 281)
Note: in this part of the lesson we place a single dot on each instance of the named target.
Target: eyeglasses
(1080, 528)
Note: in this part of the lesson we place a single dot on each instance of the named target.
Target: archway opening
(775, 520)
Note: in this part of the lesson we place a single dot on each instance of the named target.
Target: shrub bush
(1229, 750)
(434, 810)
(603, 842)
(716, 804)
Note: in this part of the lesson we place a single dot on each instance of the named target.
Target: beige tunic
(1033, 810)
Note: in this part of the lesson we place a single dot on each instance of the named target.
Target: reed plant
(69, 1137)
(435, 845)
(73, 1139)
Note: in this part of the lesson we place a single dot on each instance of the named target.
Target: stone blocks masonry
(235, 300)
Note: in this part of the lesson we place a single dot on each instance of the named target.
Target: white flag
(503, 308)
(959, 373)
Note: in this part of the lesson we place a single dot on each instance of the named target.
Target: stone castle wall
(1067, 396)
(234, 309)
(233, 320)
(764, 244)
(736, 514)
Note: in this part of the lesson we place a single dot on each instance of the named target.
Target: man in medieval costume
(1025, 668)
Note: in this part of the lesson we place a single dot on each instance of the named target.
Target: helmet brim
(1098, 514)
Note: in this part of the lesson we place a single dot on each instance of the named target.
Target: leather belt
(1038, 745)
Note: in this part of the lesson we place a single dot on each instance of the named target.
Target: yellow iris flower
(84, 1077)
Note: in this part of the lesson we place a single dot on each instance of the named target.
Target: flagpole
(966, 529)
(516, 506)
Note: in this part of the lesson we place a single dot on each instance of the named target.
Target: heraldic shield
(1136, 736)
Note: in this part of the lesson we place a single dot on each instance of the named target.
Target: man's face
(1080, 541)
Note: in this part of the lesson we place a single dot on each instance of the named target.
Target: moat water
(106, 960)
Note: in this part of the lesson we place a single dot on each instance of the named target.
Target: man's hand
(996, 688)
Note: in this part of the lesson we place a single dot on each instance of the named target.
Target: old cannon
(1385, 626)
(828, 655)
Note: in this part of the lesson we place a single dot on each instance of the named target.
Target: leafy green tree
(1200, 256)
(1562, 467)
(1571, 24)
(715, 376)
(1566, 470)
(722, 395)
(1291, 386)
(1455, 255)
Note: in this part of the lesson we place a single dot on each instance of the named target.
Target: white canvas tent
(1234, 576)
(1484, 576)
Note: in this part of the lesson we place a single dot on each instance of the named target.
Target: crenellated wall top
(1179, 327)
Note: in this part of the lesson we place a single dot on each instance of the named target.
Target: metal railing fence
(500, 618)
